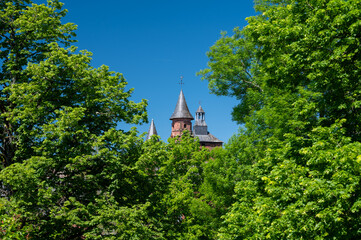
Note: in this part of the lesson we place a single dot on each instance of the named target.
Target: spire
(200, 109)
(152, 131)
(181, 110)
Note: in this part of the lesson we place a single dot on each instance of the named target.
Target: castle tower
(152, 131)
(181, 117)
(200, 126)
(200, 130)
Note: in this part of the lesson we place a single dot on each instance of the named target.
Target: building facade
(182, 121)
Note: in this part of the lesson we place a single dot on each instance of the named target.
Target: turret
(181, 117)
(200, 131)
(200, 125)
(152, 131)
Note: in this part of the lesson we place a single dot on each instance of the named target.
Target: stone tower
(181, 117)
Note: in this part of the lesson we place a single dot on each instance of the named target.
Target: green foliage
(10, 223)
(308, 44)
(178, 201)
(25, 34)
(295, 69)
(66, 172)
(181, 201)
(292, 171)
(304, 187)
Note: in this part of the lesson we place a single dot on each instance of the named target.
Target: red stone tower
(181, 117)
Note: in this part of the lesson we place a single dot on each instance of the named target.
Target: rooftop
(181, 109)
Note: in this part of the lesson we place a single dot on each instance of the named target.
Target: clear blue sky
(153, 43)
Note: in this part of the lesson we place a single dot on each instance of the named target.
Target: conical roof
(181, 109)
(200, 109)
(152, 131)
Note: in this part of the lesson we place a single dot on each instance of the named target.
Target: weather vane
(181, 81)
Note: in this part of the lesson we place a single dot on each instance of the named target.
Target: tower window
(185, 125)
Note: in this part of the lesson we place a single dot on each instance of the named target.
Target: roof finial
(181, 81)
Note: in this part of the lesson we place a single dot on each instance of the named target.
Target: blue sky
(153, 43)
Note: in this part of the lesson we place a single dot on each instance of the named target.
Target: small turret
(200, 130)
(200, 126)
(152, 131)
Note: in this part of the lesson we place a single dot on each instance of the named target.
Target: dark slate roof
(200, 109)
(208, 138)
(152, 131)
(181, 109)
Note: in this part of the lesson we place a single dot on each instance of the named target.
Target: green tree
(66, 172)
(25, 34)
(176, 174)
(305, 187)
(290, 44)
(296, 69)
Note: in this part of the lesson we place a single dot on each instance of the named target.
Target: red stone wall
(180, 125)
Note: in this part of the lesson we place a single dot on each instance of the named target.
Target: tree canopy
(61, 154)
(293, 45)
(292, 171)
(296, 70)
